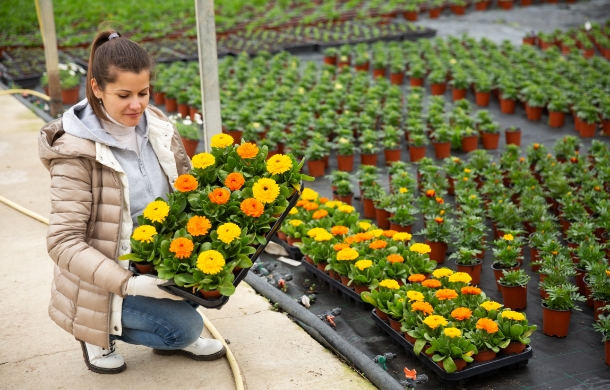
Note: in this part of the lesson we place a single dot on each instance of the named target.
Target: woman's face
(126, 98)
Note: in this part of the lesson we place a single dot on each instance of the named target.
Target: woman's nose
(134, 104)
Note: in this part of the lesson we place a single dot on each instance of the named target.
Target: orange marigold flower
(440, 200)
(389, 233)
(339, 230)
(319, 214)
(439, 220)
(470, 290)
(395, 258)
(461, 313)
(431, 283)
(417, 278)
(350, 240)
(340, 246)
(310, 206)
(378, 244)
(446, 293)
(234, 181)
(252, 207)
(198, 226)
(424, 307)
(536, 146)
(488, 325)
(431, 193)
(323, 200)
(182, 247)
(247, 150)
(301, 203)
(574, 159)
(219, 196)
(185, 183)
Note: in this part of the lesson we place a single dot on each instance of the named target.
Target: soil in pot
(473, 270)
(469, 143)
(555, 322)
(442, 149)
(513, 137)
(514, 297)
(490, 140)
(498, 272)
(438, 251)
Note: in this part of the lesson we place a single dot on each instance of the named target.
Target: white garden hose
(28, 91)
(239, 382)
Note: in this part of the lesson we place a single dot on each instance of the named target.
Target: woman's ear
(96, 89)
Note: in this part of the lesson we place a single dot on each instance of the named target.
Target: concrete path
(272, 351)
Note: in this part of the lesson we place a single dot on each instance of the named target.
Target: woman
(109, 156)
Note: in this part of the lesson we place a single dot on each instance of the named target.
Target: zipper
(118, 247)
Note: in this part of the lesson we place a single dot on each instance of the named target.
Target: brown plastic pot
(362, 67)
(606, 127)
(513, 137)
(345, 163)
(416, 153)
(507, 106)
(382, 216)
(434, 13)
(394, 324)
(361, 289)
(291, 240)
(382, 316)
(556, 119)
(316, 168)
(533, 113)
(369, 208)
(159, 99)
(438, 251)
(490, 140)
(190, 146)
(580, 280)
(410, 15)
(498, 272)
(438, 89)
(368, 159)
(514, 297)
(482, 98)
(416, 82)
(282, 236)
(555, 322)
(333, 274)
(529, 40)
(70, 96)
(183, 109)
(473, 270)
(481, 6)
(469, 143)
(607, 350)
(514, 347)
(193, 111)
(587, 130)
(212, 294)
(397, 78)
(236, 134)
(330, 60)
(484, 355)
(347, 199)
(458, 94)
(344, 280)
(460, 364)
(458, 9)
(377, 73)
(171, 104)
(391, 156)
(525, 3)
(442, 149)
(400, 228)
(143, 268)
(597, 305)
(505, 5)
(322, 266)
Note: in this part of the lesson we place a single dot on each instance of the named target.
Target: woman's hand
(148, 287)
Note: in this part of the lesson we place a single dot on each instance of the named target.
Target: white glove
(147, 287)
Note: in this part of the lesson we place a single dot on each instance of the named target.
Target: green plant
(405, 215)
(449, 346)
(344, 187)
(466, 256)
(602, 324)
(563, 297)
(186, 127)
(418, 140)
(514, 278)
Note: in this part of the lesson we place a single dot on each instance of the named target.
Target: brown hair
(108, 56)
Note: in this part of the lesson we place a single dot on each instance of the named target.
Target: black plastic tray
(480, 369)
(335, 286)
(293, 251)
(186, 293)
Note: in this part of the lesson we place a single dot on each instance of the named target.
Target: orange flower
(360, 237)
(339, 230)
(301, 203)
(181, 247)
(395, 258)
(389, 233)
(417, 278)
(424, 307)
(323, 200)
(487, 325)
(430, 193)
(340, 246)
(439, 220)
(350, 240)
(310, 206)
(461, 313)
(185, 183)
(378, 244)
(219, 196)
(446, 293)
(247, 150)
(198, 226)
(319, 214)
(469, 290)
(574, 159)
(440, 200)
(431, 283)
(536, 146)
(252, 207)
(234, 181)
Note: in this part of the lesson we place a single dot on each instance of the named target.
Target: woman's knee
(189, 327)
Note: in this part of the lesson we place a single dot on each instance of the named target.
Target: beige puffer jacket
(90, 222)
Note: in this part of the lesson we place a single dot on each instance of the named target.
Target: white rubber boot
(103, 361)
(202, 349)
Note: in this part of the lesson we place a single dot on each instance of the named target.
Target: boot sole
(170, 352)
(100, 370)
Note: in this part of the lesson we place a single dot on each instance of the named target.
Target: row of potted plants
(587, 38)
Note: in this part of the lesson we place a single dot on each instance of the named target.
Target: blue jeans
(159, 323)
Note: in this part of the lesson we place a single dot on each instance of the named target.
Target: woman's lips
(133, 115)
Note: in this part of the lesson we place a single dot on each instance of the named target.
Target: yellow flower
(227, 232)
(434, 321)
(466, 170)
(607, 273)
(203, 160)
(346, 208)
(364, 225)
(323, 236)
(363, 264)
(331, 204)
(347, 254)
(279, 163)
(420, 248)
(144, 233)
(513, 315)
(265, 190)
(415, 296)
(442, 272)
(389, 283)
(460, 277)
(210, 262)
(156, 211)
(309, 194)
(508, 237)
(296, 222)
(452, 332)
(403, 190)
(401, 237)
(221, 141)
(491, 305)
(315, 231)
(293, 211)
(377, 232)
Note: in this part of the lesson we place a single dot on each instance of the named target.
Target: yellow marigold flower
(389, 283)
(461, 313)
(424, 307)
(345, 208)
(415, 296)
(460, 277)
(181, 247)
(452, 332)
(323, 236)
(309, 194)
(210, 262)
(434, 321)
(203, 160)
(491, 305)
(315, 231)
(293, 211)
(431, 283)
(417, 278)
(376, 232)
(279, 163)
(156, 211)
(466, 170)
(331, 204)
(227, 232)
(446, 293)
(508, 237)
(363, 264)
(221, 141)
(465, 178)
(403, 190)
(513, 315)
(144, 233)
(198, 226)
(296, 222)
(364, 225)
(490, 326)
(442, 272)
(607, 273)
(347, 254)
(420, 248)
(266, 190)
(401, 237)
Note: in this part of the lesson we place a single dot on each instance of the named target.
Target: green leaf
(130, 256)
(166, 274)
(449, 364)
(419, 344)
(184, 279)
(516, 330)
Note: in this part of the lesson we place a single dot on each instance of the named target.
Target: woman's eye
(123, 97)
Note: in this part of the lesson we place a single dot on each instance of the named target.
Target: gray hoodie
(146, 178)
